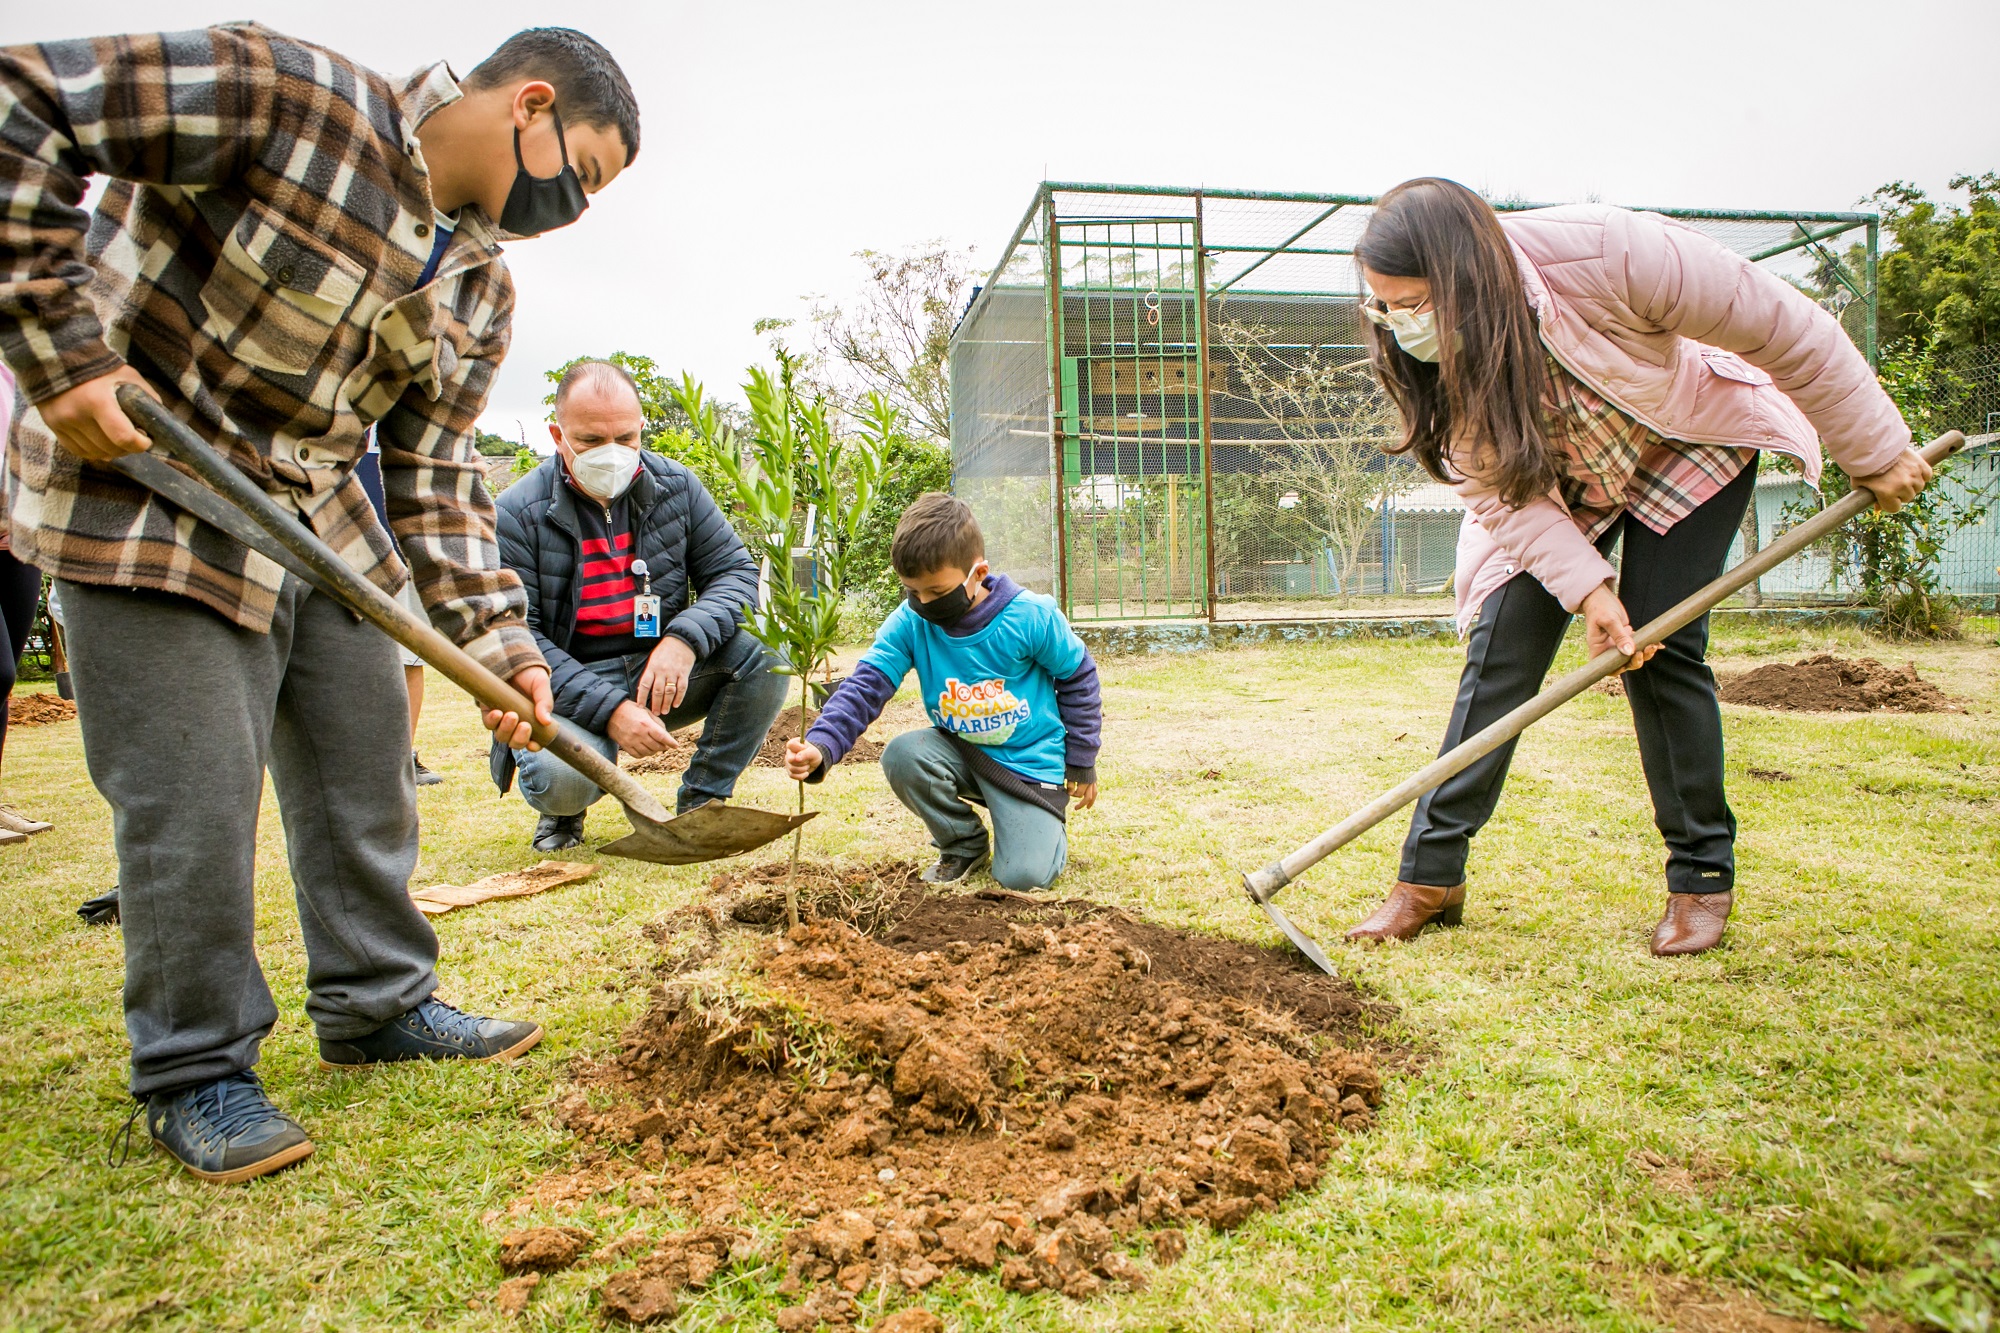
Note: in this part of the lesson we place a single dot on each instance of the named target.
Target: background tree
(1333, 424)
(1940, 283)
(893, 337)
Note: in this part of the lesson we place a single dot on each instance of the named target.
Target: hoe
(1263, 885)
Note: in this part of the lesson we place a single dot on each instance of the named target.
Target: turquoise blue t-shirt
(996, 687)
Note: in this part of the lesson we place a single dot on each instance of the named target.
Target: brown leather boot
(1408, 909)
(1692, 924)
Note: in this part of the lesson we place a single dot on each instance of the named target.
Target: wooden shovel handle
(1262, 884)
(327, 570)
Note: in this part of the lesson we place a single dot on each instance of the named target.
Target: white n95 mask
(1416, 331)
(606, 470)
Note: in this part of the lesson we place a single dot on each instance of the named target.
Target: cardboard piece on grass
(441, 898)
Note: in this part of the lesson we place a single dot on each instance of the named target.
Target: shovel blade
(706, 833)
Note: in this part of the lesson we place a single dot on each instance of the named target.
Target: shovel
(1264, 884)
(231, 503)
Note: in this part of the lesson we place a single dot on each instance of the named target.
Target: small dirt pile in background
(867, 750)
(1829, 684)
(1050, 1090)
(38, 709)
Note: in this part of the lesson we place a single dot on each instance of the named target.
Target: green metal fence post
(1874, 296)
(1201, 399)
(1052, 266)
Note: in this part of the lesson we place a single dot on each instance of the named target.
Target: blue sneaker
(226, 1131)
(432, 1031)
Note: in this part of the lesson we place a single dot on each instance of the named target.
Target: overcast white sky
(779, 137)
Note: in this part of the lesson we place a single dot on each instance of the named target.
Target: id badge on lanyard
(646, 606)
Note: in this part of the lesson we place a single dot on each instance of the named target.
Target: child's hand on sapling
(801, 758)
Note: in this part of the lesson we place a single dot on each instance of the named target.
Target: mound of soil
(771, 755)
(1829, 684)
(976, 1083)
(38, 709)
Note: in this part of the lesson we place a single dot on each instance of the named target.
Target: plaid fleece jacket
(256, 259)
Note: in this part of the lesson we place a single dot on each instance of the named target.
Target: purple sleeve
(1082, 709)
(854, 704)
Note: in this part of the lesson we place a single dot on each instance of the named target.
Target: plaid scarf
(1607, 463)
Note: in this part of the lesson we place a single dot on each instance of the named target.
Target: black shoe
(425, 778)
(227, 1130)
(952, 868)
(432, 1031)
(558, 833)
(101, 910)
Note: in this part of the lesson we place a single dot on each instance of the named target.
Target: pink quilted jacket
(1692, 340)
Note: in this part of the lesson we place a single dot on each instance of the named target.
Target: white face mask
(606, 470)
(1416, 331)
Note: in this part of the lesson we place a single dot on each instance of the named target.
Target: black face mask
(537, 204)
(946, 610)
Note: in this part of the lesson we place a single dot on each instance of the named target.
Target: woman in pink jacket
(1579, 374)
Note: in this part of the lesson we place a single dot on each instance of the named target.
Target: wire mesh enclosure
(1161, 406)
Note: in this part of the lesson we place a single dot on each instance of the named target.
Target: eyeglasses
(1381, 315)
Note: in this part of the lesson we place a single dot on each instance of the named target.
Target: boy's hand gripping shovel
(1264, 884)
(231, 503)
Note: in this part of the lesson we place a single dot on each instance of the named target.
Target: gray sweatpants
(181, 713)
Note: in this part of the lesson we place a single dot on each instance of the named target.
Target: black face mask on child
(946, 610)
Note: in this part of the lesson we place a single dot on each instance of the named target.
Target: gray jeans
(928, 774)
(733, 688)
(181, 714)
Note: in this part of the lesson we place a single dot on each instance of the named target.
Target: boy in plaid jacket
(292, 249)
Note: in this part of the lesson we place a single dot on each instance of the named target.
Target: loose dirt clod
(38, 709)
(977, 1084)
(651, 1290)
(867, 750)
(910, 1320)
(542, 1249)
(512, 1298)
(1828, 684)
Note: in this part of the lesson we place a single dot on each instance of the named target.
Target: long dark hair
(1480, 406)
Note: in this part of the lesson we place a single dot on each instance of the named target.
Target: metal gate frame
(1070, 432)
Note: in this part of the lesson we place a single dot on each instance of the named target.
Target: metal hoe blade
(1300, 940)
(706, 833)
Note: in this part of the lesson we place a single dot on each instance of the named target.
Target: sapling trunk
(798, 834)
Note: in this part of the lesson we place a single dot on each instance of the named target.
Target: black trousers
(1673, 702)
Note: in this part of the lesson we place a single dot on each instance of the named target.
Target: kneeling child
(1012, 697)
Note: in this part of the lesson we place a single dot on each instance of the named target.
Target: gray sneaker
(432, 1031)
(226, 1131)
(951, 867)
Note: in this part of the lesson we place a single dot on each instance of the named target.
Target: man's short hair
(936, 532)
(590, 88)
(597, 373)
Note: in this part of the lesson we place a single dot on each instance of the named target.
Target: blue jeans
(735, 689)
(928, 774)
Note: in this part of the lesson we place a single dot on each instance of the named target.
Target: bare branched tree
(894, 337)
(1333, 424)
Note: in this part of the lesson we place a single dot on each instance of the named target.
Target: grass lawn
(1807, 1120)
